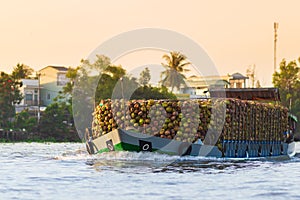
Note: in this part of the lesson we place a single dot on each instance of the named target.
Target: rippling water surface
(66, 171)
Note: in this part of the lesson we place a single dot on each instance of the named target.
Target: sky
(235, 34)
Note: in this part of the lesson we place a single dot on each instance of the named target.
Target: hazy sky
(234, 33)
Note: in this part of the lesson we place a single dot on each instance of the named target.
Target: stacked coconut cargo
(222, 122)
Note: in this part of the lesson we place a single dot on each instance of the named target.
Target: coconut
(180, 120)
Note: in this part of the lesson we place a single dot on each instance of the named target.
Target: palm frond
(184, 64)
(167, 58)
(175, 66)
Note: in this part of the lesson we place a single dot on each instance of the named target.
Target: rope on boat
(90, 146)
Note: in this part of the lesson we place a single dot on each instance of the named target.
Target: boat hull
(126, 140)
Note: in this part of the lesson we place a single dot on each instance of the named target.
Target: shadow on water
(205, 166)
(124, 162)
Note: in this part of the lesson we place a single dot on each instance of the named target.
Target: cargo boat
(243, 145)
(126, 140)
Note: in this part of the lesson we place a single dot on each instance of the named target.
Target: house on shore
(30, 93)
(52, 81)
(237, 80)
(199, 86)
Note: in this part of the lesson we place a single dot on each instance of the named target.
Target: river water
(66, 171)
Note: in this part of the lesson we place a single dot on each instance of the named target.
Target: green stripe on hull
(122, 147)
(130, 147)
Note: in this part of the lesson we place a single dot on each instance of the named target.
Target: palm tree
(175, 66)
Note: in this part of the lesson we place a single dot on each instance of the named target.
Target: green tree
(71, 75)
(103, 80)
(55, 123)
(100, 64)
(87, 79)
(9, 96)
(63, 109)
(287, 80)
(66, 93)
(148, 92)
(23, 120)
(21, 71)
(108, 81)
(94, 81)
(175, 67)
(145, 77)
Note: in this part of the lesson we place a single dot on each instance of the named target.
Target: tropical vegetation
(111, 81)
(175, 66)
(287, 79)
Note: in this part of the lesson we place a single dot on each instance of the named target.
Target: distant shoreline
(12, 136)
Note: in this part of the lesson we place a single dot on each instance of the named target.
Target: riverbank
(7, 136)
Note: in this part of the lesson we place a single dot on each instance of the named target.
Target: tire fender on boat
(89, 141)
(145, 145)
(90, 147)
(110, 145)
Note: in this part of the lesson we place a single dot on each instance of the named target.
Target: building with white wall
(30, 93)
(52, 81)
(198, 86)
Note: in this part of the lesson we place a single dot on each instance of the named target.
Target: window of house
(239, 85)
(231, 84)
(28, 97)
(62, 80)
(36, 99)
(48, 96)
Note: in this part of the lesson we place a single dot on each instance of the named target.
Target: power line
(39, 95)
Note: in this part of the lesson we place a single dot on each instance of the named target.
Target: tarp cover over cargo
(211, 120)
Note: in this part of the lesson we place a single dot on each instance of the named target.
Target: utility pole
(123, 98)
(275, 43)
(39, 96)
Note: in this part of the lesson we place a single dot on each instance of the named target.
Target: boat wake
(148, 162)
(79, 154)
(145, 162)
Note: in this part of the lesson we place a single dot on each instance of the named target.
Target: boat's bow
(125, 140)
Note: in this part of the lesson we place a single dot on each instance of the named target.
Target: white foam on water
(122, 156)
(136, 156)
(80, 153)
(76, 154)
